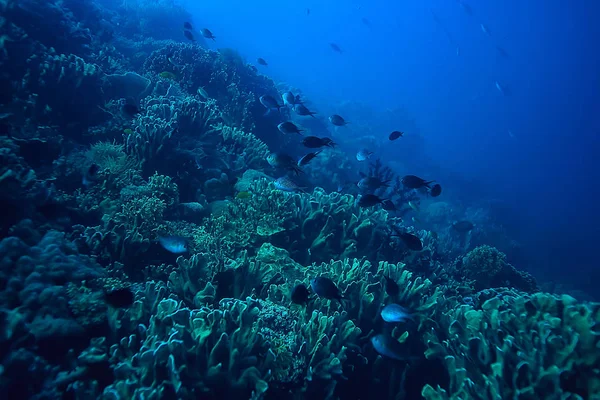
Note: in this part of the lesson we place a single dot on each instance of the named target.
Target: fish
(243, 195)
(466, 8)
(363, 155)
(168, 75)
(369, 200)
(395, 313)
(503, 53)
(391, 287)
(336, 48)
(411, 241)
(202, 92)
(253, 68)
(91, 174)
(413, 205)
(119, 298)
(511, 134)
(388, 205)
(371, 183)
(500, 88)
(172, 61)
(290, 100)
(485, 30)
(389, 347)
(173, 244)
(287, 185)
(326, 288)
(395, 135)
(130, 109)
(288, 127)
(207, 34)
(435, 190)
(189, 35)
(308, 158)
(300, 294)
(128, 131)
(337, 120)
(414, 182)
(301, 109)
(308, 11)
(366, 22)
(262, 61)
(463, 226)
(314, 142)
(280, 160)
(269, 102)
(187, 26)
(416, 220)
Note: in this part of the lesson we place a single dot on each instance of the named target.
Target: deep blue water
(544, 179)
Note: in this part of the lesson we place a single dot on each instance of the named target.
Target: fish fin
(428, 183)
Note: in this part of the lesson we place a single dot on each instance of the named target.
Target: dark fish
(395, 135)
(270, 103)
(261, 61)
(119, 298)
(287, 185)
(189, 36)
(290, 99)
(391, 287)
(435, 190)
(187, 26)
(389, 347)
(502, 52)
(130, 109)
(314, 142)
(91, 174)
(363, 155)
(300, 294)
(335, 48)
(411, 241)
(173, 244)
(302, 110)
(280, 160)
(395, 313)
(307, 158)
(388, 205)
(371, 183)
(288, 127)
(366, 22)
(414, 182)
(463, 226)
(308, 11)
(369, 200)
(207, 34)
(326, 288)
(337, 120)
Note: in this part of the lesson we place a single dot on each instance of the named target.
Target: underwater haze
(299, 200)
(533, 149)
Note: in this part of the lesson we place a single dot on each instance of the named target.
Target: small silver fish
(363, 155)
(395, 313)
(202, 92)
(287, 185)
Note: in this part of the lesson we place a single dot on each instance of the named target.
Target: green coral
(487, 267)
(518, 346)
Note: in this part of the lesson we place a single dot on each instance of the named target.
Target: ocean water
(531, 151)
(162, 237)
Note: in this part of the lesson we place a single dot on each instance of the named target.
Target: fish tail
(428, 183)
